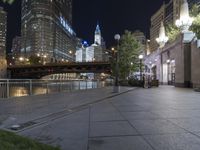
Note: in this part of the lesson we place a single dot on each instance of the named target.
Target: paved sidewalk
(164, 118)
(23, 109)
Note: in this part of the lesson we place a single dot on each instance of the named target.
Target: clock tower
(97, 35)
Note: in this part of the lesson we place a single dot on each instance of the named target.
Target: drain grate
(22, 126)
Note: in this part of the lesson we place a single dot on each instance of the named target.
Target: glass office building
(3, 31)
(47, 31)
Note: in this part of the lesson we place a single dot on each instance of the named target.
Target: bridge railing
(26, 87)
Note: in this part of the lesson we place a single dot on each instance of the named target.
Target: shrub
(135, 82)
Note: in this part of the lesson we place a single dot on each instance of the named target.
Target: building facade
(3, 31)
(168, 13)
(141, 38)
(46, 30)
(15, 53)
(155, 27)
(177, 63)
(95, 52)
(16, 45)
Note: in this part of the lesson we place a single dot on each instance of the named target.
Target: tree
(129, 51)
(196, 26)
(195, 13)
(172, 32)
(195, 10)
(8, 1)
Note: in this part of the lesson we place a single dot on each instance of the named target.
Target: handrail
(28, 87)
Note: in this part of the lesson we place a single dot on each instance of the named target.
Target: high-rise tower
(3, 30)
(97, 35)
(46, 29)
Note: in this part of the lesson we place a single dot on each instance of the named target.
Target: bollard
(47, 88)
(30, 87)
(71, 85)
(8, 88)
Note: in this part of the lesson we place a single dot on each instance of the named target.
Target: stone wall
(174, 51)
(195, 64)
(186, 56)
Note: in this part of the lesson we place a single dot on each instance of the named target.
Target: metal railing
(26, 87)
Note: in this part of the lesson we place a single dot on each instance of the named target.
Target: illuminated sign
(66, 26)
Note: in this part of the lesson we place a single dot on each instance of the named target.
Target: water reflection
(39, 90)
(18, 89)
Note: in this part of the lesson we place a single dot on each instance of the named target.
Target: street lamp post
(140, 58)
(116, 86)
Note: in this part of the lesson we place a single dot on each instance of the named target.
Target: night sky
(114, 16)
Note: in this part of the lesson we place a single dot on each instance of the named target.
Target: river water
(25, 88)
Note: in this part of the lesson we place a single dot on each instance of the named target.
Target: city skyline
(102, 12)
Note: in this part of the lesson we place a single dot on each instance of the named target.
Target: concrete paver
(190, 124)
(156, 126)
(119, 143)
(164, 118)
(184, 141)
(68, 133)
(22, 109)
(113, 128)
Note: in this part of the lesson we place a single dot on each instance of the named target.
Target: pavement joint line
(66, 112)
(108, 121)
(150, 134)
(111, 136)
(185, 129)
(89, 126)
(139, 134)
(46, 121)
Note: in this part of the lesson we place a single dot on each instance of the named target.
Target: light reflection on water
(18, 90)
(39, 90)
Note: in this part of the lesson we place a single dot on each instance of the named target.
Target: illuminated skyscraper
(46, 29)
(3, 30)
(97, 35)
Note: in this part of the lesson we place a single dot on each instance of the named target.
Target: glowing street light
(168, 61)
(185, 21)
(141, 58)
(21, 58)
(116, 86)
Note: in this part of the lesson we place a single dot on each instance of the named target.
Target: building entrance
(169, 75)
